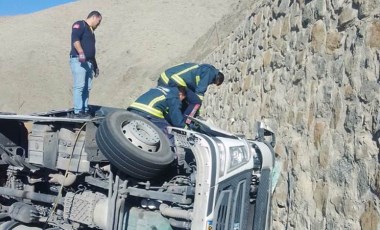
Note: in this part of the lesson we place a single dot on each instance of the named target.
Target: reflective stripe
(163, 90)
(197, 79)
(188, 69)
(176, 76)
(164, 78)
(147, 109)
(157, 99)
(200, 97)
(179, 80)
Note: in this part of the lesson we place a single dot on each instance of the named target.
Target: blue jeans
(82, 82)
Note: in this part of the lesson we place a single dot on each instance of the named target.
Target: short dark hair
(94, 13)
(182, 89)
(219, 78)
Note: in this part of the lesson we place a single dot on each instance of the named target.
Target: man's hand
(82, 57)
(96, 72)
(193, 126)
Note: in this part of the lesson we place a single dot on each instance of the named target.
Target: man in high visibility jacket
(162, 106)
(195, 78)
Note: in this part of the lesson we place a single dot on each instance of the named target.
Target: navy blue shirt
(195, 77)
(83, 33)
(161, 102)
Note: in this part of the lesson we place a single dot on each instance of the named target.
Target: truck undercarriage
(118, 171)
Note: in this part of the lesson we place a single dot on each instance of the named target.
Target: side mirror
(264, 133)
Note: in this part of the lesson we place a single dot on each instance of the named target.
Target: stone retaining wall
(310, 70)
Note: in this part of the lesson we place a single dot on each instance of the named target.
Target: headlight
(222, 159)
(238, 156)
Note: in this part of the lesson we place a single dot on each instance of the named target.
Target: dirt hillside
(135, 41)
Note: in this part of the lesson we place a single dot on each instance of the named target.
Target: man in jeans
(82, 61)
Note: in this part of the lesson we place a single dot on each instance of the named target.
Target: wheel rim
(141, 135)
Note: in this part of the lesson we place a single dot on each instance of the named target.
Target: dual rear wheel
(134, 145)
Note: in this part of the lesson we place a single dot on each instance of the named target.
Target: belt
(87, 59)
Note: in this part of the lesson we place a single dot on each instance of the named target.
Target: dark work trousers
(159, 122)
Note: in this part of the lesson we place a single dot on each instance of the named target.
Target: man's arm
(96, 68)
(78, 47)
(207, 75)
(175, 114)
(76, 34)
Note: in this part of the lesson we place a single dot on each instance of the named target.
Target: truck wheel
(133, 144)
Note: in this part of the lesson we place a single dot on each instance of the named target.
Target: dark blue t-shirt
(83, 33)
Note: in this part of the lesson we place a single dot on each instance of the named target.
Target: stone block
(267, 82)
(341, 173)
(337, 111)
(285, 27)
(369, 91)
(336, 70)
(366, 7)
(333, 41)
(319, 130)
(337, 4)
(369, 219)
(290, 61)
(282, 9)
(349, 93)
(301, 58)
(298, 76)
(377, 182)
(257, 63)
(278, 61)
(308, 15)
(320, 9)
(320, 193)
(353, 118)
(267, 58)
(318, 36)
(373, 34)
(257, 19)
(347, 17)
(246, 84)
(276, 28)
(302, 39)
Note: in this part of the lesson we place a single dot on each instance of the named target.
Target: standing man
(82, 61)
(195, 78)
(162, 106)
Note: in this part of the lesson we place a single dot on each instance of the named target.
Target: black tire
(141, 160)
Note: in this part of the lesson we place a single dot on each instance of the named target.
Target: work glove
(82, 57)
(193, 126)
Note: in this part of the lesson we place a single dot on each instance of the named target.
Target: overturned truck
(117, 171)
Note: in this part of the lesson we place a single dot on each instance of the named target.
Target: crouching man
(161, 106)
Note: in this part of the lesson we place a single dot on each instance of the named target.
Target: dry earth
(136, 40)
